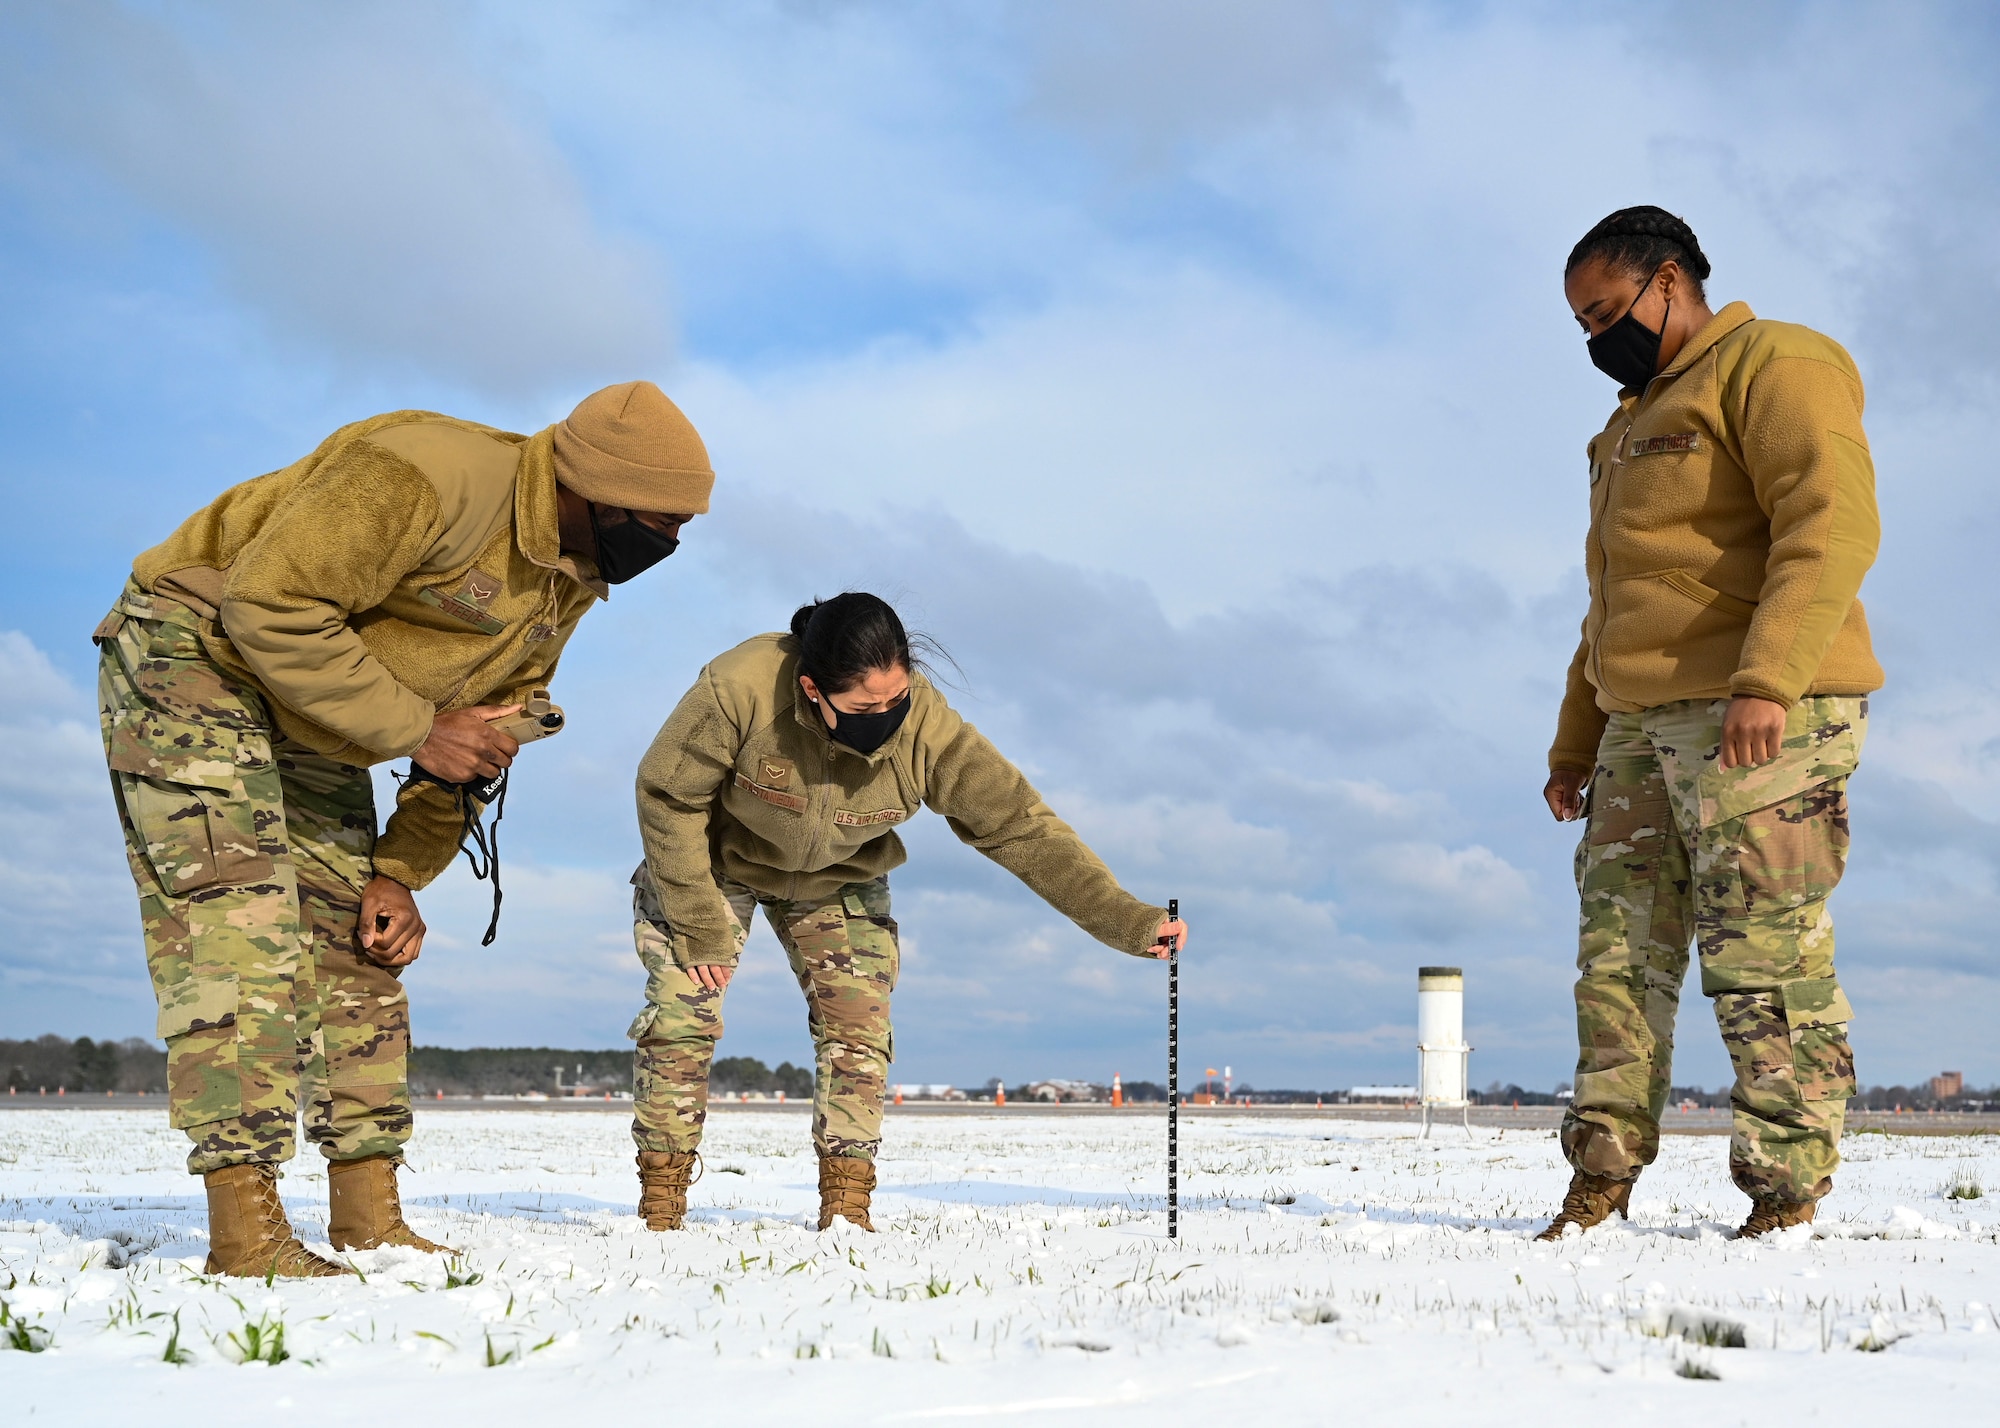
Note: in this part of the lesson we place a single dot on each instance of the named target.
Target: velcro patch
(459, 608)
(846, 818)
(771, 795)
(1659, 445)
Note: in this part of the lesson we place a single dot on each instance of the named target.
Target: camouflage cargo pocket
(1627, 832)
(184, 789)
(869, 903)
(1817, 1014)
(1618, 866)
(1787, 854)
(198, 1023)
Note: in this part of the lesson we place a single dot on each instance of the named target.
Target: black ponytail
(1635, 241)
(844, 640)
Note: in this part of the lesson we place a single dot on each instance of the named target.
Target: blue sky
(1198, 373)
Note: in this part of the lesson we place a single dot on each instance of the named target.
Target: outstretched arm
(991, 806)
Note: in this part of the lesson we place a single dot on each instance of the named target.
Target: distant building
(927, 1091)
(1058, 1090)
(1947, 1084)
(1364, 1095)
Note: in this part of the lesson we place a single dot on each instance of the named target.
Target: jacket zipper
(1602, 596)
(817, 817)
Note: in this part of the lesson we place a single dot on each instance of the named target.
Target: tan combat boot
(1590, 1201)
(664, 1177)
(1774, 1212)
(248, 1234)
(845, 1183)
(364, 1211)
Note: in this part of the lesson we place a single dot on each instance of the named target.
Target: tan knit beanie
(629, 446)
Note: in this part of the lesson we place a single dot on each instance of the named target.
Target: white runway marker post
(1173, 1075)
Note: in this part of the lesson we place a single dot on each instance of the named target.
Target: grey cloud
(1148, 77)
(356, 178)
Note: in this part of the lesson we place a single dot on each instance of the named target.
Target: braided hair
(1637, 240)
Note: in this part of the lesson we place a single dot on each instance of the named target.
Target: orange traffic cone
(1117, 1091)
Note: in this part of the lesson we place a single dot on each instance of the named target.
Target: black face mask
(865, 733)
(629, 548)
(1628, 351)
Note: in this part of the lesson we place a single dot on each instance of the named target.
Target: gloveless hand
(712, 976)
(1564, 794)
(464, 744)
(392, 930)
(1753, 731)
(1171, 934)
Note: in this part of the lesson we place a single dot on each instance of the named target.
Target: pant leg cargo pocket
(1817, 1014)
(183, 785)
(198, 1023)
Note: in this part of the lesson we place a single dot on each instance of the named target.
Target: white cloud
(357, 179)
(1444, 894)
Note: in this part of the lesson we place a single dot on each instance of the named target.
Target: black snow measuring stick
(1173, 1075)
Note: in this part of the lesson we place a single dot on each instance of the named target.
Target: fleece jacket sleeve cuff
(421, 837)
(1138, 941)
(1750, 687)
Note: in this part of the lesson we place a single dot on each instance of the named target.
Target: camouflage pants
(1741, 862)
(250, 853)
(844, 954)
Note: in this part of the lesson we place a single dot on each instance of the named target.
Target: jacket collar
(537, 531)
(1713, 331)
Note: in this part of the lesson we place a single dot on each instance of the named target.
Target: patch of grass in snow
(1695, 1326)
(258, 1342)
(1964, 1183)
(1695, 1368)
(500, 1357)
(457, 1276)
(18, 1333)
(175, 1354)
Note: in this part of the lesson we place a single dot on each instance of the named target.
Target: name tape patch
(793, 801)
(469, 601)
(1657, 445)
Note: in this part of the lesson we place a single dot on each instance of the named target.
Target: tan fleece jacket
(743, 782)
(409, 565)
(1732, 518)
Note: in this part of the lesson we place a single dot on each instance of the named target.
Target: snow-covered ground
(1327, 1272)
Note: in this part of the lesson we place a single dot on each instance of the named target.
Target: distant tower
(1441, 1049)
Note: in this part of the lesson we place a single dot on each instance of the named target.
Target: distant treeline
(54, 1063)
(517, 1070)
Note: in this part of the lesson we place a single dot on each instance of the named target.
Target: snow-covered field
(1327, 1272)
